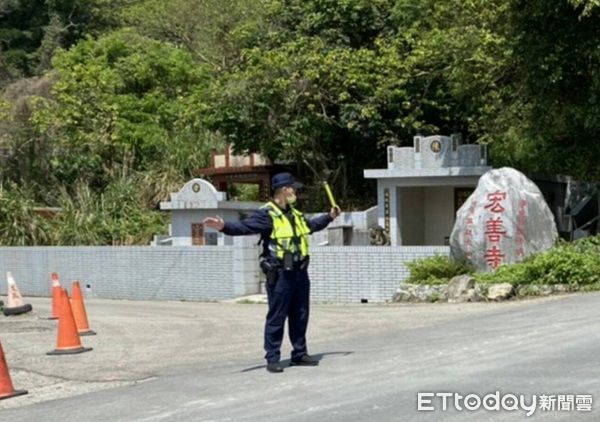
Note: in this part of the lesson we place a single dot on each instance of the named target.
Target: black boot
(304, 360)
(274, 367)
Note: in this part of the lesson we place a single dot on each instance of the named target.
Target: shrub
(118, 216)
(588, 244)
(438, 269)
(19, 224)
(576, 263)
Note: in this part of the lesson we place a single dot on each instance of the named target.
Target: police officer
(284, 233)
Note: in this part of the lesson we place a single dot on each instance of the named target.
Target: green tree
(32, 30)
(336, 81)
(556, 58)
(212, 31)
(120, 106)
(323, 83)
(25, 153)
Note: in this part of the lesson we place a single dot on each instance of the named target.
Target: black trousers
(288, 298)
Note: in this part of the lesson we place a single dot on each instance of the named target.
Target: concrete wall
(143, 273)
(349, 274)
(439, 214)
(339, 274)
(413, 219)
(427, 214)
(360, 221)
(451, 154)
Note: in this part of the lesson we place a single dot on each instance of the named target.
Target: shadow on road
(286, 362)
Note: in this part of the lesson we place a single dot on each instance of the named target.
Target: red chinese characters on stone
(468, 233)
(520, 232)
(493, 256)
(496, 199)
(494, 229)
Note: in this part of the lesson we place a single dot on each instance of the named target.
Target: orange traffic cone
(15, 304)
(6, 386)
(68, 342)
(79, 313)
(55, 296)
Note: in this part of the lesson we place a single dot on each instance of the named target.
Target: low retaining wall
(354, 274)
(142, 273)
(348, 274)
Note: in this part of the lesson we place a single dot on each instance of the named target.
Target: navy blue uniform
(289, 296)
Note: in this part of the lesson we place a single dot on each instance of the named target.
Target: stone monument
(505, 220)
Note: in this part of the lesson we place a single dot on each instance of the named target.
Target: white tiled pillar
(387, 209)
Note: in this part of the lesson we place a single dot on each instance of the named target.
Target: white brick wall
(345, 274)
(143, 273)
(351, 274)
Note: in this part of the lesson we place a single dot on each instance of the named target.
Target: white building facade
(197, 200)
(423, 186)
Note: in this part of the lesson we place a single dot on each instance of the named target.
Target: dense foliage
(438, 269)
(575, 264)
(110, 99)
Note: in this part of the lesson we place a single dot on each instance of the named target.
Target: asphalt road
(373, 372)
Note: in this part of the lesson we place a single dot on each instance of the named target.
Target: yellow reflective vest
(285, 236)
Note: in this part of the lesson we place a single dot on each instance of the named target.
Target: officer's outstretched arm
(319, 223)
(257, 223)
(216, 223)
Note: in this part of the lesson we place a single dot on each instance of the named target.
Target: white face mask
(291, 199)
